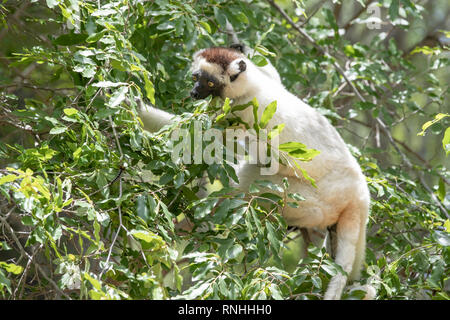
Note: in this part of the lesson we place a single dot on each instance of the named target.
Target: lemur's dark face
(214, 71)
(205, 84)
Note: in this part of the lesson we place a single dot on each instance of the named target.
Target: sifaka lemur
(341, 197)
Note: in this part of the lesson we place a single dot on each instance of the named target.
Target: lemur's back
(306, 125)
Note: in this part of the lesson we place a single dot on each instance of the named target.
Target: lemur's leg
(350, 233)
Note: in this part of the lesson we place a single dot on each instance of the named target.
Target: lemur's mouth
(197, 95)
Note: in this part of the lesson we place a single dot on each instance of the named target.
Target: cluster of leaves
(92, 203)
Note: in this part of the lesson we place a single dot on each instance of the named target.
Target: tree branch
(380, 122)
(357, 15)
(30, 86)
(318, 7)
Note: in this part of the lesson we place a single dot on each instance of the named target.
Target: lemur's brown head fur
(215, 68)
(220, 56)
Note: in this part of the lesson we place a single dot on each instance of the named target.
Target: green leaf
(28, 221)
(116, 64)
(196, 290)
(441, 190)
(435, 279)
(259, 61)
(331, 270)
(317, 282)
(298, 150)
(204, 208)
(255, 104)
(275, 292)
(275, 131)
(147, 236)
(106, 112)
(58, 130)
(70, 39)
(447, 225)
(226, 106)
(296, 196)
(305, 174)
(118, 97)
(143, 208)
(264, 51)
(225, 208)
(149, 89)
(242, 17)
(442, 237)
(70, 111)
(264, 35)
(233, 252)
(103, 12)
(426, 50)
(11, 267)
(393, 9)
(87, 71)
(95, 283)
(4, 282)
(206, 26)
(52, 3)
(96, 36)
(241, 107)
(329, 17)
(8, 178)
(269, 184)
(268, 113)
(365, 105)
(427, 124)
(109, 84)
(271, 235)
(291, 146)
(446, 141)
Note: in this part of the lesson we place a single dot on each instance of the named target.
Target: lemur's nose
(195, 94)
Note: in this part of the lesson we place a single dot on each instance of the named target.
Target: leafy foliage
(93, 206)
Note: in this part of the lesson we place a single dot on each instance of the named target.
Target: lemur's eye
(210, 84)
(194, 78)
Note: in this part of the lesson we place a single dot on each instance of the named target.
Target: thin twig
(319, 6)
(25, 254)
(108, 184)
(318, 47)
(357, 15)
(117, 232)
(116, 137)
(15, 16)
(407, 148)
(24, 273)
(119, 209)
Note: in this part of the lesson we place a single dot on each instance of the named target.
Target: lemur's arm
(152, 118)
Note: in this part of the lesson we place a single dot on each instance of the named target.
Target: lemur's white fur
(152, 118)
(341, 197)
(268, 70)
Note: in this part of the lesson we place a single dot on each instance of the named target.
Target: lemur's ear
(197, 54)
(236, 68)
(238, 46)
